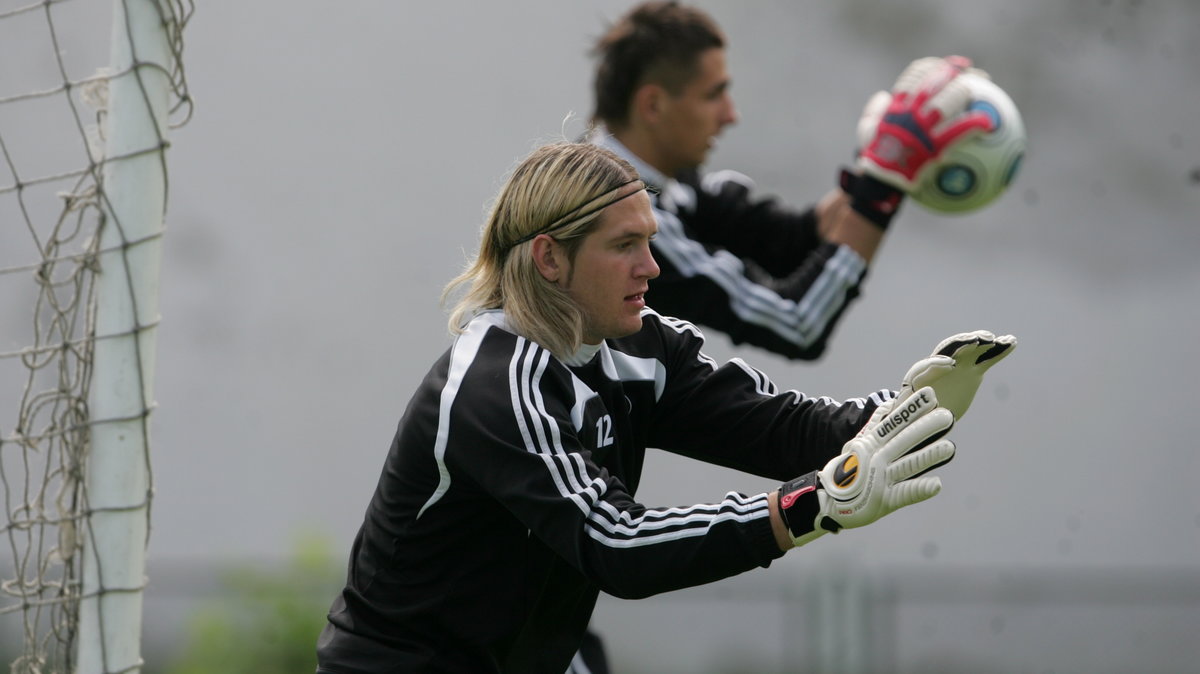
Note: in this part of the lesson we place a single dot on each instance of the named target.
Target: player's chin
(631, 320)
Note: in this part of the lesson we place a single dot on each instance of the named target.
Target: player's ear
(546, 257)
(648, 102)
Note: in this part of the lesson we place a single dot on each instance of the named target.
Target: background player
(765, 274)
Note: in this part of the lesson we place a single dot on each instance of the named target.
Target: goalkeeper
(507, 502)
(765, 274)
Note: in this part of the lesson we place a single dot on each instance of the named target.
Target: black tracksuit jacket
(506, 502)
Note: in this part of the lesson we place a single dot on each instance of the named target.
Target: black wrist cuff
(799, 504)
(873, 199)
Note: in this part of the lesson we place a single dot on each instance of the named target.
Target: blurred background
(335, 175)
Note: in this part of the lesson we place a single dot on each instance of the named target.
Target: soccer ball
(974, 172)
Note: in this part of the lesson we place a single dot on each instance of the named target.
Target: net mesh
(54, 75)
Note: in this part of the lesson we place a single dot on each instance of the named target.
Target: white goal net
(88, 92)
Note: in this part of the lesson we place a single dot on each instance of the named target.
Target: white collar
(652, 176)
(582, 355)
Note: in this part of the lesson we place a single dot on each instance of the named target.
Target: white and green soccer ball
(974, 172)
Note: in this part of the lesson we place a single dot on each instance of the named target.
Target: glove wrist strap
(800, 506)
(873, 199)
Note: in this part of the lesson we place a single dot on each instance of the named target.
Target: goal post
(118, 485)
(75, 466)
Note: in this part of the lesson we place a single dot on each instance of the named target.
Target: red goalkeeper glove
(925, 113)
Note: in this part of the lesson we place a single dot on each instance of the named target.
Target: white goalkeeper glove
(956, 368)
(878, 472)
(926, 111)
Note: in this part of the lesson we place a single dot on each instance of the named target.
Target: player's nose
(729, 114)
(647, 267)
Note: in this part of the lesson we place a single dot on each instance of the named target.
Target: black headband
(575, 214)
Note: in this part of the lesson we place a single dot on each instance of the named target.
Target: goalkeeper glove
(878, 472)
(926, 112)
(877, 105)
(874, 198)
(956, 368)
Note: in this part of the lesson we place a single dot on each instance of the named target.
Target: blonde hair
(547, 189)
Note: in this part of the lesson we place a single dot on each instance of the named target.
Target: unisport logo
(900, 416)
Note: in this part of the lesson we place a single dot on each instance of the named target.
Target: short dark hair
(658, 42)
